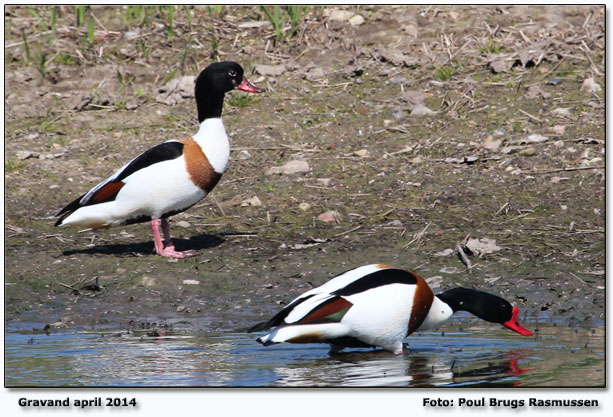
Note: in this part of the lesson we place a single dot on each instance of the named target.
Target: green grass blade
(26, 46)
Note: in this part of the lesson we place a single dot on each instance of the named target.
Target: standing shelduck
(170, 177)
(378, 305)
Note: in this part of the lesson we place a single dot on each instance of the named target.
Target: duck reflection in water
(413, 369)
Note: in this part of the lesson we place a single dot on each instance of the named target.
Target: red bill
(514, 325)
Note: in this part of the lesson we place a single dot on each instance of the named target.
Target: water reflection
(459, 359)
(416, 369)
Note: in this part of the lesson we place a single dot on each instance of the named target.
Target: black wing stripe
(279, 317)
(377, 279)
(159, 153)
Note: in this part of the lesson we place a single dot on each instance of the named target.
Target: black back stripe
(377, 279)
(159, 153)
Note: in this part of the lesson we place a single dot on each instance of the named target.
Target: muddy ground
(422, 127)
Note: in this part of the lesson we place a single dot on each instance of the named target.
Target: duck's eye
(232, 73)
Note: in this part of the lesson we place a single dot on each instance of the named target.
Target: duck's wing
(330, 301)
(107, 190)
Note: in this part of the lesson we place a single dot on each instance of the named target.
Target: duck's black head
(216, 80)
(486, 306)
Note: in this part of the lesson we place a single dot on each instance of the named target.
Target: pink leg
(165, 248)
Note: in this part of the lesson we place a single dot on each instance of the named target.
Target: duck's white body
(161, 188)
(376, 315)
(378, 305)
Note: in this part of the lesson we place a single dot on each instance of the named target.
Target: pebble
(292, 167)
(590, 86)
(529, 151)
(330, 217)
(421, 110)
(147, 281)
(339, 15)
(184, 224)
(271, 70)
(492, 144)
(27, 154)
(445, 252)
(535, 138)
(394, 223)
(304, 206)
(399, 79)
(561, 112)
(356, 20)
(559, 129)
(435, 281)
(253, 201)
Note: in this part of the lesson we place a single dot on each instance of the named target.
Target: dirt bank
(422, 127)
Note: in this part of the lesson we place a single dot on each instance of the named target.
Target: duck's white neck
(438, 315)
(214, 142)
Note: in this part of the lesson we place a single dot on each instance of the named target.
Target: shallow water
(462, 356)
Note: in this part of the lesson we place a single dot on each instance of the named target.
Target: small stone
(292, 167)
(362, 153)
(394, 223)
(339, 15)
(244, 154)
(191, 282)
(330, 217)
(304, 206)
(535, 138)
(181, 309)
(529, 151)
(435, 281)
(184, 224)
(270, 70)
(417, 160)
(483, 246)
(147, 281)
(410, 30)
(556, 180)
(559, 129)
(325, 182)
(356, 20)
(445, 252)
(253, 201)
(27, 154)
(421, 110)
(314, 74)
(399, 79)
(590, 86)
(561, 112)
(558, 143)
(492, 144)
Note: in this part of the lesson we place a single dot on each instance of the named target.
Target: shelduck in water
(170, 177)
(378, 305)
